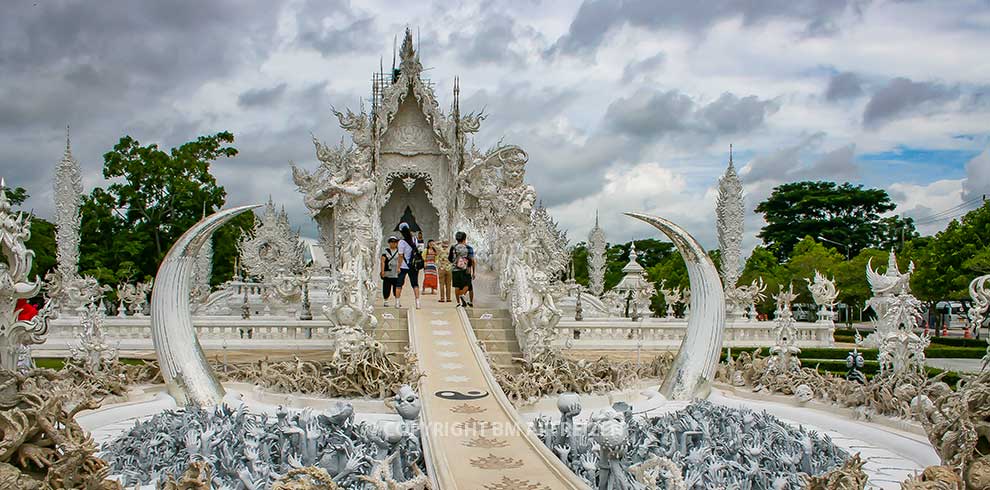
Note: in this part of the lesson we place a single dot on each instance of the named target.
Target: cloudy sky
(622, 105)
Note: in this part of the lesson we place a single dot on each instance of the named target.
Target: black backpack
(416, 262)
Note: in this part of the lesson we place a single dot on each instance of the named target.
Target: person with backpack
(390, 270)
(461, 257)
(410, 263)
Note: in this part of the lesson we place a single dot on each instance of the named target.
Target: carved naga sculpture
(16, 335)
(824, 293)
(979, 290)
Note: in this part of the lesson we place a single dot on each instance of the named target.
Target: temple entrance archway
(414, 198)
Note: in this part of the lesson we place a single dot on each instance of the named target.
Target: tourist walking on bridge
(430, 269)
(443, 270)
(390, 270)
(461, 255)
(411, 261)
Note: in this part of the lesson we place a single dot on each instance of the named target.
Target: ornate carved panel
(409, 133)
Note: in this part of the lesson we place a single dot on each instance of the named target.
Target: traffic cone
(945, 330)
(966, 334)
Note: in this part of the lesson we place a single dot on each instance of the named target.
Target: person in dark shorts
(461, 257)
(408, 251)
(390, 270)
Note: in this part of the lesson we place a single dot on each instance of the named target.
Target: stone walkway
(474, 437)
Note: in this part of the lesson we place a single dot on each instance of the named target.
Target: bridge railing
(628, 335)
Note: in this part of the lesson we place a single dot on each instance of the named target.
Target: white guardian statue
(17, 335)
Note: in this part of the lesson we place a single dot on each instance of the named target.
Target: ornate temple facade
(410, 161)
(406, 161)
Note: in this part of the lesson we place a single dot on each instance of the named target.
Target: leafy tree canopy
(847, 214)
(16, 196)
(42, 240)
(948, 261)
(155, 197)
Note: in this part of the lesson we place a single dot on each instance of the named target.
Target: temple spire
(408, 51)
(730, 155)
(67, 189)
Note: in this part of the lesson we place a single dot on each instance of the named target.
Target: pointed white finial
(892, 269)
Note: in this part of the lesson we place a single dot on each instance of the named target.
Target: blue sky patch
(916, 165)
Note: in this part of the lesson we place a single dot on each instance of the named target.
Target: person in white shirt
(390, 268)
(409, 256)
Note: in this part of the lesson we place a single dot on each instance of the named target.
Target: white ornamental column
(68, 192)
(729, 216)
(596, 259)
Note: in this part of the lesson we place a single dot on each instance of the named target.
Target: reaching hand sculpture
(700, 446)
(255, 451)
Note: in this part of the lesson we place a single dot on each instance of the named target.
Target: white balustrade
(267, 332)
(623, 334)
(274, 332)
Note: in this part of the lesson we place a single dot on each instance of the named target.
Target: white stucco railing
(273, 332)
(624, 334)
(214, 332)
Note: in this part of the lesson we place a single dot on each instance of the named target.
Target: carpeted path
(474, 440)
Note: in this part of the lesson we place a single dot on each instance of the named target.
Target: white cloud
(289, 62)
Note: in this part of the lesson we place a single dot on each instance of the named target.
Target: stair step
(502, 358)
(494, 334)
(495, 313)
(391, 337)
(510, 346)
(396, 313)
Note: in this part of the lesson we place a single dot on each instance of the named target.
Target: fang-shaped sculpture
(697, 358)
(187, 375)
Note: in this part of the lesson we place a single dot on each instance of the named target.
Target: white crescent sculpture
(187, 374)
(695, 364)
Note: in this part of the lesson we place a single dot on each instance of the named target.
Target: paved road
(972, 366)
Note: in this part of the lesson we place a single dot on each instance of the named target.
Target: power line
(950, 210)
(957, 214)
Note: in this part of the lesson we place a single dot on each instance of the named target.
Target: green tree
(948, 261)
(895, 232)
(16, 196)
(845, 213)
(649, 253)
(850, 277)
(154, 197)
(42, 240)
(763, 264)
(579, 257)
(808, 256)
